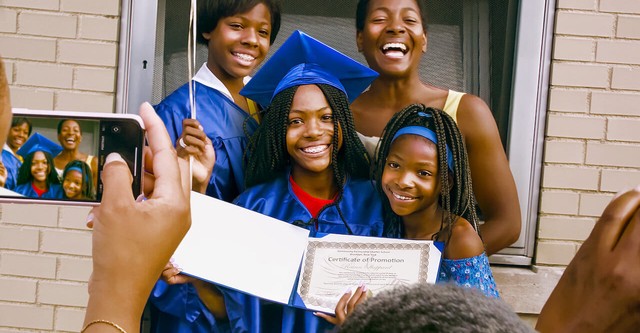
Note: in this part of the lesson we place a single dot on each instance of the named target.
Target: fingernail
(90, 220)
(113, 157)
(364, 287)
(141, 198)
(171, 260)
(200, 127)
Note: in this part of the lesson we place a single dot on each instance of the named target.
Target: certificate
(336, 263)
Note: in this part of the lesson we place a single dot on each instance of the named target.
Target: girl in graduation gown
(18, 135)
(37, 177)
(305, 166)
(238, 35)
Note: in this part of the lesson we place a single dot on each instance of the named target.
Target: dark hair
(458, 200)
(87, 178)
(433, 308)
(19, 121)
(24, 173)
(266, 153)
(363, 7)
(64, 121)
(212, 11)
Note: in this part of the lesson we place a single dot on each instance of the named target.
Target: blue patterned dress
(473, 272)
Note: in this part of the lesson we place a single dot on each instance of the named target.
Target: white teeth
(397, 46)
(402, 197)
(315, 149)
(244, 57)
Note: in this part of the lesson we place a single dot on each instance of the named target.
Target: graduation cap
(303, 60)
(38, 142)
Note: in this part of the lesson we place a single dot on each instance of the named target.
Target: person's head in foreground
(432, 308)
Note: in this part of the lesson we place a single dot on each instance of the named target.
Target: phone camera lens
(115, 129)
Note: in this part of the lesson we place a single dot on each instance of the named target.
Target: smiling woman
(70, 138)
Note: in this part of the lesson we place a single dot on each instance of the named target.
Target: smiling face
(393, 38)
(310, 131)
(18, 136)
(410, 179)
(39, 167)
(72, 184)
(239, 43)
(70, 135)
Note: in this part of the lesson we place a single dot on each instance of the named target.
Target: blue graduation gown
(55, 191)
(362, 210)
(177, 307)
(223, 123)
(12, 164)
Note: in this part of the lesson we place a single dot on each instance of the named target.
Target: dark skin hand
(200, 147)
(600, 289)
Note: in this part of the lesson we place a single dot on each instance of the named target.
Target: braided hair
(458, 200)
(86, 190)
(266, 154)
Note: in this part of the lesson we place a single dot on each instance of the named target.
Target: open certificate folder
(274, 260)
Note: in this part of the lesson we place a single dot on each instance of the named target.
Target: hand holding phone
(57, 157)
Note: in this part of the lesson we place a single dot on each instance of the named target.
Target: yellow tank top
(451, 105)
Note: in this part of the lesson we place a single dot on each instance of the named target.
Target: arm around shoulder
(493, 183)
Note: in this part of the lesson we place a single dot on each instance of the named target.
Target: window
(485, 47)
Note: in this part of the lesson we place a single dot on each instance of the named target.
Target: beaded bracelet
(102, 321)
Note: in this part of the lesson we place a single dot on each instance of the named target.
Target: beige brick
(105, 7)
(39, 215)
(553, 202)
(32, 4)
(28, 48)
(555, 253)
(67, 242)
(78, 101)
(47, 24)
(68, 319)
(30, 98)
(618, 51)
(73, 217)
(623, 129)
(565, 228)
(628, 27)
(592, 204)
(574, 49)
(102, 28)
(44, 75)
(26, 316)
(615, 103)
(618, 180)
(617, 6)
(95, 79)
(580, 75)
(564, 152)
(564, 177)
(625, 78)
(568, 100)
(17, 238)
(87, 52)
(74, 269)
(8, 20)
(15, 290)
(580, 127)
(585, 24)
(57, 293)
(577, 4)
(610, 154)
(29, 265)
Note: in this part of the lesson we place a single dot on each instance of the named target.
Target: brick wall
(592, 146)
(60, 55)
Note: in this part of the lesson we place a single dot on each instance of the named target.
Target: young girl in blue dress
(37, 177)
(423, 175)
(77, 181)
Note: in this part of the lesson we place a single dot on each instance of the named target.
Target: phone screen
(58, 157)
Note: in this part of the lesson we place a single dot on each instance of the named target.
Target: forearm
(212, 298)
(499, 233)
(120, 306)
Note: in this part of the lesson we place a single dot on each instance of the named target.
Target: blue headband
(74, 169)
(427, 134)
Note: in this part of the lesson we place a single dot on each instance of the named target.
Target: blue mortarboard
(38, 142)
(304, 60)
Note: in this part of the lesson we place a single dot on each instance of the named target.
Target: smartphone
(57, 157)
